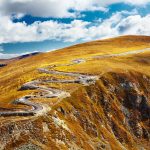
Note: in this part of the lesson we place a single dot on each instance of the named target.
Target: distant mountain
(28, 55)
(3, 62)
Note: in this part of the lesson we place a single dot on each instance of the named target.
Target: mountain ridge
(111, 113)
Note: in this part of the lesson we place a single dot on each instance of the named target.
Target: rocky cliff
(113, 114)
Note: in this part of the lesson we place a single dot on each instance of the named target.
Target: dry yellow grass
(84, 112)
(21, 71)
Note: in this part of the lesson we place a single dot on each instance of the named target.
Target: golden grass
(21, 71)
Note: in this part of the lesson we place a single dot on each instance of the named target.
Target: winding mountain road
(49, 92)
(52, 92)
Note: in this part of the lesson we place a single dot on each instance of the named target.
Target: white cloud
(58, 8)
(137, 2)
(120, 23)
(135, 25)
(7, 56)
(39, 31)
(40, 8)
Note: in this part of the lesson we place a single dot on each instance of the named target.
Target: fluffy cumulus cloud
(39, 31)
(118, 24)
(58, 8)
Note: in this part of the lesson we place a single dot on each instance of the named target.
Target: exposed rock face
(113, 114)
(28, 147)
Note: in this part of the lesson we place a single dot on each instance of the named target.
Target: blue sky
(30, 25)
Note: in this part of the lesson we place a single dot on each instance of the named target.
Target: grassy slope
(86, 100)
(21, 71)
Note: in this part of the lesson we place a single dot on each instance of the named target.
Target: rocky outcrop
(111, 114)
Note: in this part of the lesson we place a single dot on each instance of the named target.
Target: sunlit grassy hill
(21, 71)
(113, 113)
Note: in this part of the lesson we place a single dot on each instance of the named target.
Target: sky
(43, 25)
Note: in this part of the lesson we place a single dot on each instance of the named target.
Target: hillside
(88, 96)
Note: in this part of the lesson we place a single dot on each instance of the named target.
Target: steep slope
(93, 96)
